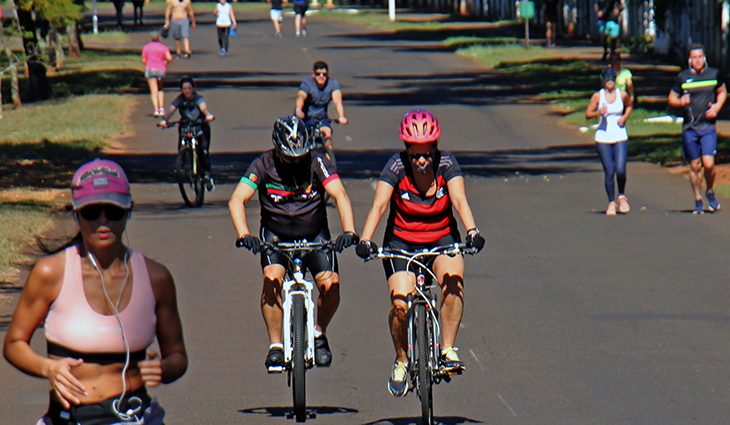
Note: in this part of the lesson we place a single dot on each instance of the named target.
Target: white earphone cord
(131, 413)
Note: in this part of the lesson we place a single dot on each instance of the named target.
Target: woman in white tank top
(613, 108)
(225, 20)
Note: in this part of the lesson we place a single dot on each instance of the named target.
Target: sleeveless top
(73, 324)
(608, 129)
(223, 19)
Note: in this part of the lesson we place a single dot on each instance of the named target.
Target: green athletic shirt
(621, 78)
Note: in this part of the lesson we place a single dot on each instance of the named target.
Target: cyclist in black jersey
(193, 110)
(292, 180)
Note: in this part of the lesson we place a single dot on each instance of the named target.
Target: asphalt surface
(571, 317)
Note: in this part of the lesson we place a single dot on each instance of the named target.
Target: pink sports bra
(73, 324)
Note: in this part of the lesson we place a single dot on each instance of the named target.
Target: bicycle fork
(298, 287)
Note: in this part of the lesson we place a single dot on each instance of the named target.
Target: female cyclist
(103, 305)
(421, 184)
(613, 106)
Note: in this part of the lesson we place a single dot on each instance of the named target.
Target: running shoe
(611, 209)
(222, 52)
(699, 207)
(450, 360)
(275, 360)
(714, 204)
(623, 204)
(398, 382)
(322, 353)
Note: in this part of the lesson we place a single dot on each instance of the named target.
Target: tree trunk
(40, 88)
(60, 57)
(14, 86)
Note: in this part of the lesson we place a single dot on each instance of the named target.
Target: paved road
(571, 318)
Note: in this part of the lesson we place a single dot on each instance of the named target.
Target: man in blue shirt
(314, 96)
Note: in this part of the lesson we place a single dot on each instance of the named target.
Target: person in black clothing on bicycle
(292, 180)
(193, 111)
(422, 185)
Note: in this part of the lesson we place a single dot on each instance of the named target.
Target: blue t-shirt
(318, 99)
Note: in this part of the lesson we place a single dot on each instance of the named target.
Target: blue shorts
(601, 26)
(697, 143)
(322, 122)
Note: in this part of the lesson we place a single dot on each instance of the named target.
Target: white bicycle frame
(298, 286)
(194, 148)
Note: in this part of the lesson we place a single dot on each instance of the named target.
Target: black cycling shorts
(315, 262)
(394, 265)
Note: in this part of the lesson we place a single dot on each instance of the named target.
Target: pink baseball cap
(100, 181)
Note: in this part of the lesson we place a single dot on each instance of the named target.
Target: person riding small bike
(292, 180)
(421, 184)
(313, 98)
(193, 112)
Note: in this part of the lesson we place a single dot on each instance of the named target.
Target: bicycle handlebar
(302, 245)
(450, 250)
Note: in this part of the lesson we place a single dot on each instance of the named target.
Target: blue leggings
(613, 158)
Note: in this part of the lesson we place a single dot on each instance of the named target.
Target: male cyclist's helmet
(290, 137)
(419, 127)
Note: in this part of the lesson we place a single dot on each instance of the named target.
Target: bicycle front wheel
(189, 178)
(299, 385)
(423, 343)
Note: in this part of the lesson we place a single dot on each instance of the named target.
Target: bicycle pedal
(275, 369)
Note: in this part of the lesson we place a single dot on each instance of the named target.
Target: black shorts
(394, 265)
(300, 9)
(315, 262)
(100, 413)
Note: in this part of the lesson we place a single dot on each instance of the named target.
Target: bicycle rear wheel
(189, 178)
(425, 382)
(299, 384)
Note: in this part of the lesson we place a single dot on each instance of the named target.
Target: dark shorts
(698, 143)
(300, 9)
(180, 28)
(100, 413)
(315, 262)
(551, 14)
(394, 265)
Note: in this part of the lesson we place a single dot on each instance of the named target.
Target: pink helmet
(419, 126)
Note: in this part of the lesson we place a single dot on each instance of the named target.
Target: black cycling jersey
(292, 194)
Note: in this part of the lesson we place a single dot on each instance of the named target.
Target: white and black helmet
(290, 137)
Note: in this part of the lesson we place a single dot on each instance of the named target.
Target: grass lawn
(18, 221)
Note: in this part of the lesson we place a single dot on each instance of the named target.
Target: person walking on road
(277, 16)
(156, 56)
(550, 14)
(613, 107)
(607, 15)
(624, 78)
(138, 6)
(179, 18)
(300, 17)
(421, 184)
(102, 305)
(225, 19)
(700, 93)
(292, 180)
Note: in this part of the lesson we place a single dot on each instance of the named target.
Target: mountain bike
(189, 166)
(298, 317)
(424, 331)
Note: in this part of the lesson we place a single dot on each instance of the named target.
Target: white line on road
(505, 403)
(477, 359)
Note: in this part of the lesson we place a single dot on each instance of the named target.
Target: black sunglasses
(321, 73)
(111, 212)
(417, 156)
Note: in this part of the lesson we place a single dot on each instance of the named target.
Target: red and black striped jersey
(414, 217)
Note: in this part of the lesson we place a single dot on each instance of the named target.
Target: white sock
(276, 345)
(317, 333)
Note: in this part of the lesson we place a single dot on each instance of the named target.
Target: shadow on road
(446, 420)
(288, 412)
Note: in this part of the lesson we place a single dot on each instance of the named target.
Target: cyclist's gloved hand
(475, 240)
(366, 248)
(346, 240)
(251, 243)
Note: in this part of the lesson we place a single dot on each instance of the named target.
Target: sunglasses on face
(111, 212)
(320, 73)
(428, 156)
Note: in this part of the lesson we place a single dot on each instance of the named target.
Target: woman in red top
(421, 184)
